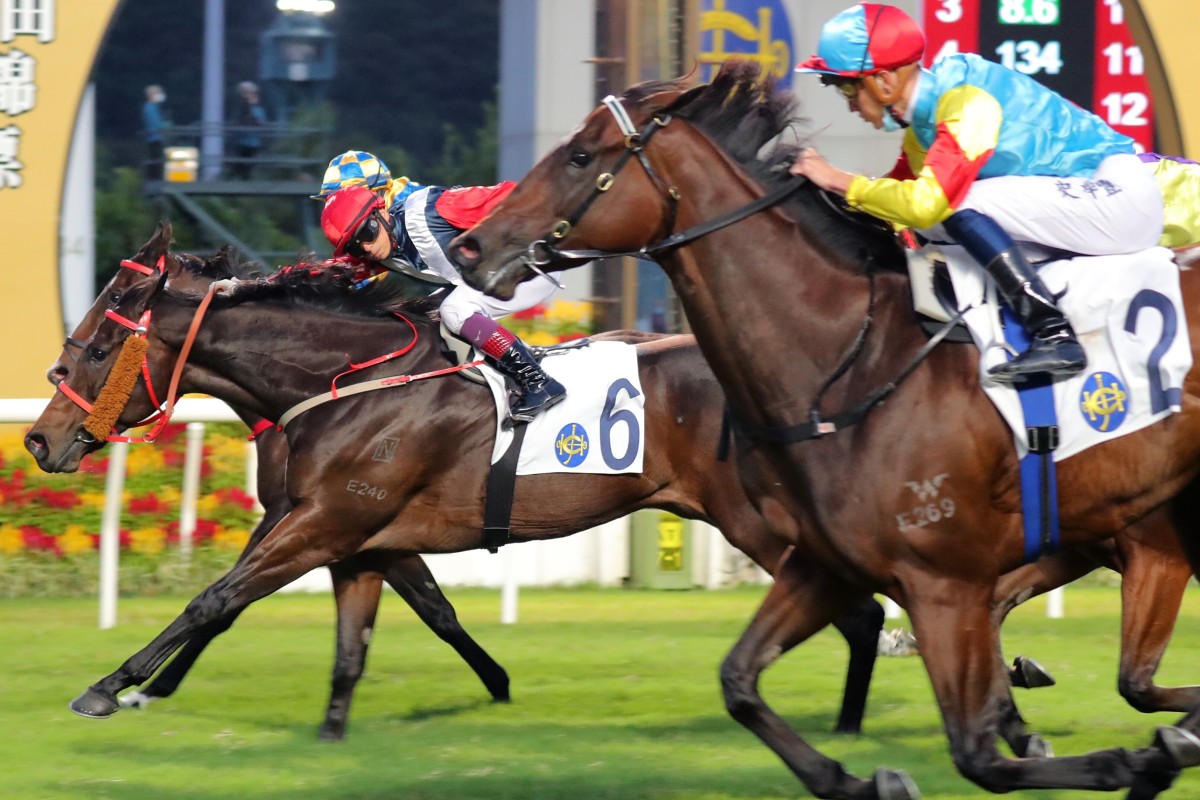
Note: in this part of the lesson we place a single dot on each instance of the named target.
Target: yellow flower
(74, 540)
(12, 443)
(150, 541)
(143, 459)
(169, 495)
(231, 538)
(11, 540)
(207, 506)
(541, 338)
(92, 499)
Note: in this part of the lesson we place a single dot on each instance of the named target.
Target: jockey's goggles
(366, 233)
(847, 86)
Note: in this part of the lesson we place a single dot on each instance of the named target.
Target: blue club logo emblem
(571, 445)
(1104, 401)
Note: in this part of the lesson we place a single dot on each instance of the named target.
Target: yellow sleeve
(968, 127)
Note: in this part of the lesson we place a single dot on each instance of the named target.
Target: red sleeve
(464, 206)
(902, 171)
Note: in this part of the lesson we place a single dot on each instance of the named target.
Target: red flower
(38, 539)
(147, 504)
(530, 313)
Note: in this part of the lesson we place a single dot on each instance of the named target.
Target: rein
(635, 144)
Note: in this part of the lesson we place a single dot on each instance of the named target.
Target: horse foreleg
(959, 646)
(167, 682)
(356, 593)
(413, 581)
(801, 602)
(1014, 588)
(861, 629)
(301, 542)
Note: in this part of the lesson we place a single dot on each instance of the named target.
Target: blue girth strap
(1039, 484)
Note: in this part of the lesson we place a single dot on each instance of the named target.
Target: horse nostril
(57, 374)
(467, 252)
(35, 443)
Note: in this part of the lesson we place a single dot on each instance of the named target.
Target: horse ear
(159, 243)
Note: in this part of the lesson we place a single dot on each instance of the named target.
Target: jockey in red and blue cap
(410, 235)
(989, 155)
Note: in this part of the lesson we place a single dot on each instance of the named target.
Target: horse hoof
(1028, 674)
(1037, 747)
(135, 699)
(496, 698)
(331, 734)
(893, 784)
(94, 705)
(1181, 745)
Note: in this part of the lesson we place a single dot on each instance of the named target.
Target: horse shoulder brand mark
(365, 489)
(386, 450)
(930, 508)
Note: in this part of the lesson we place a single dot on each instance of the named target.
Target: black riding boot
(1053, 348)
(536, 391)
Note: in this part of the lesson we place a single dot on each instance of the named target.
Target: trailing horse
(805, 315)
(281, 344)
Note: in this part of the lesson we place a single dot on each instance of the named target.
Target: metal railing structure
(198, 411)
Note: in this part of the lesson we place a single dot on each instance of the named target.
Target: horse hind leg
(1155, 576)
(356, 593)
(959, 647)
(413, 581)
(860, 628)
(801, 602)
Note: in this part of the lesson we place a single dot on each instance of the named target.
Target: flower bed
(49, 524)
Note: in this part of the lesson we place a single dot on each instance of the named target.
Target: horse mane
(329, 285)
(746, 113)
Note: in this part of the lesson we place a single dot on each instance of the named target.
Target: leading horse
(265, 352)
(805, 315)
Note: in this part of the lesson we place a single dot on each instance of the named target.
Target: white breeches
(1117, 210)
(465, 301)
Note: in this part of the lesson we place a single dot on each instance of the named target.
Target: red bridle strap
(378, 360)
(142, 268)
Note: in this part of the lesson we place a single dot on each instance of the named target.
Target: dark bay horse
(265, 352)
(805, 315)
(357, 583)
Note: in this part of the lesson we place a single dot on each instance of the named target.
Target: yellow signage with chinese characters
(46, 52)
(670, 543)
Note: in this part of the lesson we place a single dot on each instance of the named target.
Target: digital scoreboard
(1082, 49)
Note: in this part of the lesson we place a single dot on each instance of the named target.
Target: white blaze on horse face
(931, 506)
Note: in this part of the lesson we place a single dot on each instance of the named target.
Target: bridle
(542, 253)
(817, 425)
(113, 399)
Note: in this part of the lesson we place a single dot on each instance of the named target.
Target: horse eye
(96, 354)
(114, 297)
(580, 158)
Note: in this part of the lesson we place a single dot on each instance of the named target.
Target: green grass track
(615, 695)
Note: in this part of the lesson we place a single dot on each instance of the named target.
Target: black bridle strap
(818, 427)
(688, 234)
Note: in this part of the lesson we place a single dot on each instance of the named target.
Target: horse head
(59, 439)
(611, 188)
(136, 276)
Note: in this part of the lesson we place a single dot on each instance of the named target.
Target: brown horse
(805, 316)
(266, 353)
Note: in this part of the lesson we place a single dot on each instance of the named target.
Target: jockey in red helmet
(410, 237)
(989, 155)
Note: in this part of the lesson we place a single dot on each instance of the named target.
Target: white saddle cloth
(600, 427)
(1128, 314)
